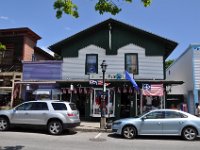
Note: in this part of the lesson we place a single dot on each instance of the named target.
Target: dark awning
(85, 83)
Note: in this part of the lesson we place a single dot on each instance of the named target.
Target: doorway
(125, 105)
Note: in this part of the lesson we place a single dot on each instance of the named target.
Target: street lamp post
(103, 109)
(71, 90)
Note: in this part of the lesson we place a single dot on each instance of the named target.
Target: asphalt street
(26, 140)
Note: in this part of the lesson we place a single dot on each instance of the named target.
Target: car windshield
(140, 115)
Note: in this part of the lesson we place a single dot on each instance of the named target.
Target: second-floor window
(91, 65)
(131, 63)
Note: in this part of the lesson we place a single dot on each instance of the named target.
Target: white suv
(54, 114)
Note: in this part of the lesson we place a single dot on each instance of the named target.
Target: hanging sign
(96, 82)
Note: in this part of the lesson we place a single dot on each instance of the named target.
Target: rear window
(59, 106)
(73, 106)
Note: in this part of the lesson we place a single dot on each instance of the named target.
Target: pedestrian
(197, 110)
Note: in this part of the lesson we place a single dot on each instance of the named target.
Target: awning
(56, 91)
(120, 82)
(35, 82)
(47, 91)
(42, 91)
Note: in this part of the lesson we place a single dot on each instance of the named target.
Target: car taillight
(71, 115)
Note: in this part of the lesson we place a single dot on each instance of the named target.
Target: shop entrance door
(96, 99)
(125, 105)
(80, 104)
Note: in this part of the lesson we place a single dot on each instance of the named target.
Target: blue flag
(128, 77)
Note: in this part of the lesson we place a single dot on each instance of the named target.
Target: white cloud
(3, 17)
(67, 28)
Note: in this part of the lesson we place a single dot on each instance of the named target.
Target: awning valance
(47, 92)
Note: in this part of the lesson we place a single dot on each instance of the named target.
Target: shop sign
(116, 76)
(96, 82)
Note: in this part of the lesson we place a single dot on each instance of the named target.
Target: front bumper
(116, 129)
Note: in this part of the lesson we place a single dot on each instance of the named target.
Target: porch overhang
(114, 82)
(35, 82)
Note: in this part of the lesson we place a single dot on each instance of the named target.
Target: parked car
(54, 115)
(166, 122)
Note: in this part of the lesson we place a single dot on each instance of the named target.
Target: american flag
(152, 89)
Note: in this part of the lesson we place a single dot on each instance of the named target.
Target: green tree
(168, 63)
(2, 52)
(2, 47)
(102, 6)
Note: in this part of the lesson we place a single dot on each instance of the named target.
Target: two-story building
(124, 47)
(20, 46)
(187, 69)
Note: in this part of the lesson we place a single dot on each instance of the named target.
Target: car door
(33, 113)
(38, 113)
(172, 123)
(20, 114)
(151, 123)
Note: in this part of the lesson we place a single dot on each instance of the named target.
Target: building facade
(124, 47)
(20, 46)
(187, 69)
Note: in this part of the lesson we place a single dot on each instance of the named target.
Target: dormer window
(91, 65)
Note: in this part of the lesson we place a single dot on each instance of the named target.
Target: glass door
(96, 99)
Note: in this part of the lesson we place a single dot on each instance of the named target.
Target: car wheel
(4, 124)
(129, 132)
(55, 127)
(189, 133)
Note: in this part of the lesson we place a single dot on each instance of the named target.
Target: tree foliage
(168, 63)
(102, 6)
(2, 47)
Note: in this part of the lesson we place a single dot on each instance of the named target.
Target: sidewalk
(87, 126)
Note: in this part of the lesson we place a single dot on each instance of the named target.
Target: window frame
(86, 64)
(125, 62)
(59, 106)
(155, 114)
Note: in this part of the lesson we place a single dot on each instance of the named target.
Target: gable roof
(38, 50)
(167, 45)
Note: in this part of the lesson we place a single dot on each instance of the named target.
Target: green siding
(120, 37)
(122, 34)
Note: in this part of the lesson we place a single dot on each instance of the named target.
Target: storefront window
(43, 96)
(109, 103)
(151, 102)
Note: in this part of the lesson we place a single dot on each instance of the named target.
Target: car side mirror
(144, 118)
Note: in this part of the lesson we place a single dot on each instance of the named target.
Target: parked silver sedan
(166, 122)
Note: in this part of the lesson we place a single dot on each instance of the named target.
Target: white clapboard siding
(150, 67)
(197, 68)
(182, 70)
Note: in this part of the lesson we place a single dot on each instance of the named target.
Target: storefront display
(152, 95)
(96, 102)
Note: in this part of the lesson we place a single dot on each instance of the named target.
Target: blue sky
(177, 20)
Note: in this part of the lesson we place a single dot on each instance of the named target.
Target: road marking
(97, 136)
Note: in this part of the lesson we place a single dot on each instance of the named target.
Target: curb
(93, 130)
